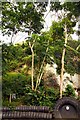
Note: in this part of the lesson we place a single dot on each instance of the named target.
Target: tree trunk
(62, 62)
(62, 73)
(10, 98)
(41, 71)
(32, 70)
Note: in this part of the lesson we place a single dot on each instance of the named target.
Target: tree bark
(41, 70)
(62, 73)
(62, 62)
(32, 70)
(10, 98)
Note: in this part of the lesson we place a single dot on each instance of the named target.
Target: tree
(38, 45)
(20, 17)
(60, 32)
(26, 17)
(72, 12)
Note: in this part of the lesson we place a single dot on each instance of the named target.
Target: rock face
(78, 81)
(78, 85)
(52, 79)
(69, 79)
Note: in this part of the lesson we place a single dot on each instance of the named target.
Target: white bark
(62, 62)
(32, 71)
(41, 71)
(10, 98)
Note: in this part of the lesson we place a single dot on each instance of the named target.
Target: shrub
(13, 83)
(42, 97)
(69, 91)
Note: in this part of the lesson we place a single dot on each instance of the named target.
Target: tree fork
(41, 70)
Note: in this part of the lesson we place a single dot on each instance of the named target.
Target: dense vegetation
(23, 64)
(17, 72)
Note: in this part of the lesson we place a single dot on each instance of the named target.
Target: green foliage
(43, 97)
(72, 58)
(52, 95)
(16, 56)
(69, 91)
(12, 104)
(14, 83)
(20, 17)
(56, 6)
(73, 7)
(11, 56)
(57, 30)
(72, 55)
(27, 16)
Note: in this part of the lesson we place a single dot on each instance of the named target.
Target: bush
(12, 104)
(13, 83)
(52, 95)
(69, 91)
(42, 97)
